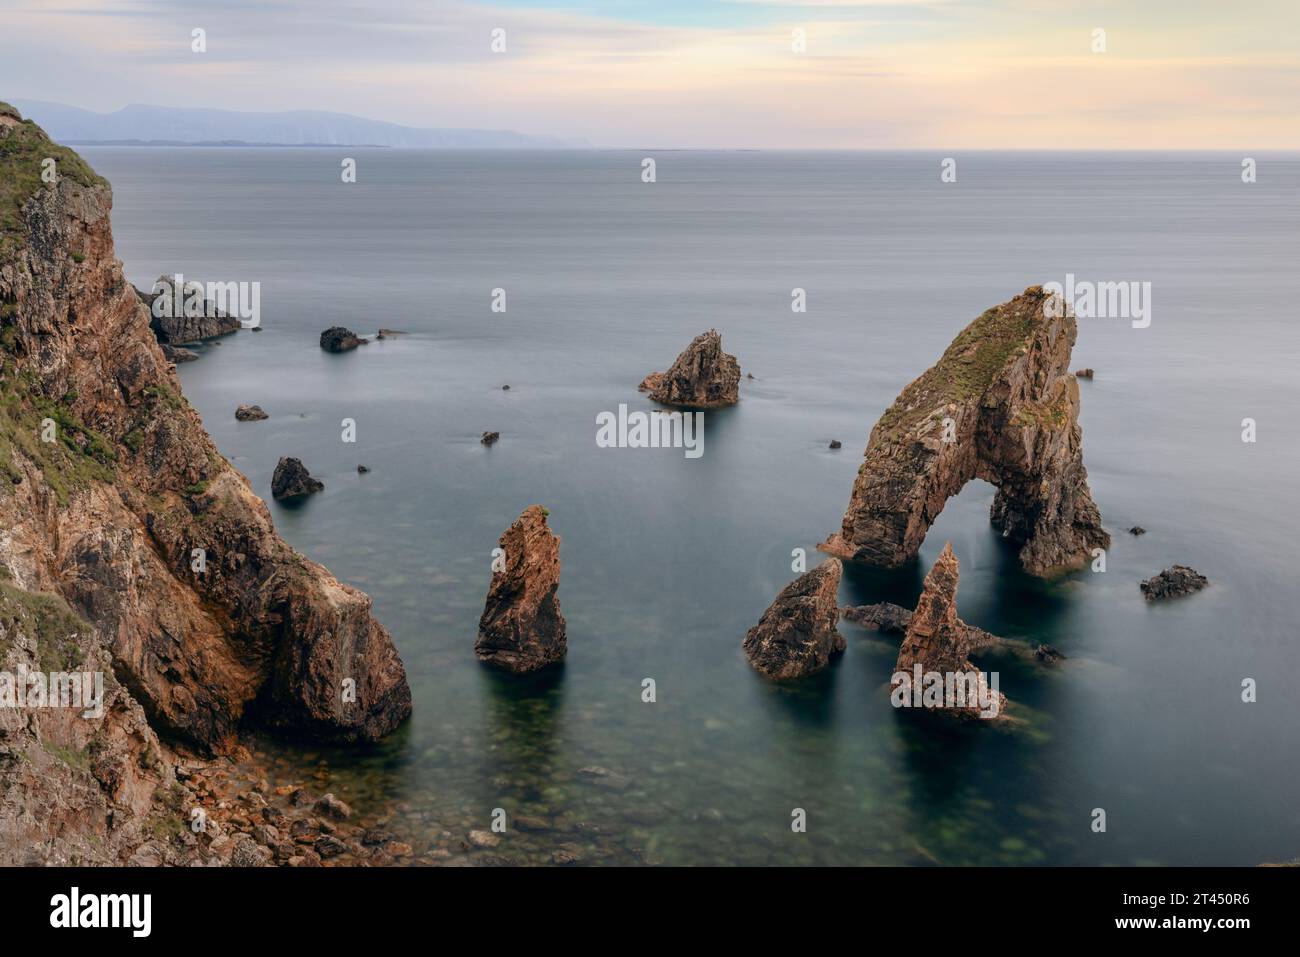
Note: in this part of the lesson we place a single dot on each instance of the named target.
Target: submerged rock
(1173, 583)
(1048, 655)
(938, 641)
(1137, 530)
(339, 339)
(796, 635)
(291, 479)
(702, 377)
(363, 469)
(522, 629)
(250, 413)
(1001, 406)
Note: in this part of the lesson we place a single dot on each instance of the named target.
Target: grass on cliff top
(22, 150)
(967, 367)
(58, 631)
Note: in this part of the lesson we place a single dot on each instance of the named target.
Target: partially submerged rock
(1137, 530)
(1001, 406)
(702, 377)
(796, 635)
(522, 629)
(885, 616)
(937, 641)
(177, 354)
(1173, 583)
(177, 319)
(250, 413)
(291, 479)
(339, 339)
(1083, 373)
(489, 438)
(891, 619)
(1048, 655)
(835, 443)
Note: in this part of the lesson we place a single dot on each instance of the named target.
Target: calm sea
(668, 560)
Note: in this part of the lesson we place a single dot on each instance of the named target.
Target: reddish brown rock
(703, 377)
(938, 641)
(521, 628)
(796, 635)
(1002, 406)
(110, 517)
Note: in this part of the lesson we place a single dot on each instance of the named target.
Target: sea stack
(703, 377)
(940, 643)
(522, 629)
(1000, 405)
(796, 635)
(292, 480)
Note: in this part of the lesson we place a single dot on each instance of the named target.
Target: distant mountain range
(168, 126)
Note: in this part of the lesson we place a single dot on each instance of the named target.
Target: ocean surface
(668, 560)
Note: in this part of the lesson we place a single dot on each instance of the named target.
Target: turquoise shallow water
(667, 561)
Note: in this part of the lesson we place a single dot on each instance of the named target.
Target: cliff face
(1000, 405)
(113, 497)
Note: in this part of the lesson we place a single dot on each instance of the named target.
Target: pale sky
(943, 74)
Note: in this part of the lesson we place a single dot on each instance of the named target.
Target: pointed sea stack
(796, 635)
(522, 629)
(937, 640)
(703, 377)
(1002, 406)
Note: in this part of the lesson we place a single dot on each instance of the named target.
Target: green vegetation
(58, 630)
(72, 757)
(78, 455)
(966, 369)
(22, 150)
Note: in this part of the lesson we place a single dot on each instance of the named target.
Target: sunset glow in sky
(1176, 74)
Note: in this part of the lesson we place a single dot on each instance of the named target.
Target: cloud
(912, 73)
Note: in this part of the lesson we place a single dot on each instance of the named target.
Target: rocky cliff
(1000, 405)
(113, 499)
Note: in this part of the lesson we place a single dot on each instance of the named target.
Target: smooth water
(667, 561)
